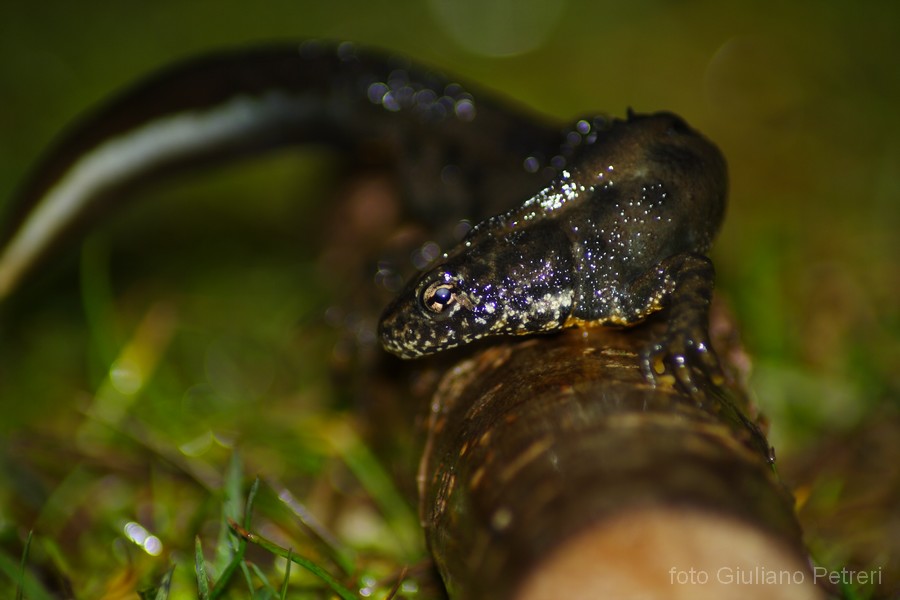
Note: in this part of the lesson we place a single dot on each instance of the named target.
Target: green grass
(191, 402)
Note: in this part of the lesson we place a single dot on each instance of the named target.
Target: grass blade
(251, 497)
(200, 567)
(32, 589)
(27, 585)
(231, 510)
(287, 577)
(163, 592)
(307, 564)
(262, 577)
(222, 583)
(224, 579)
(19, 590)
(248, 579)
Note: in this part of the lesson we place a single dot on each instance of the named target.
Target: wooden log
(553, 469)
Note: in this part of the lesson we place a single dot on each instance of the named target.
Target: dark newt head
(430, 315)
(514, 274)
(489, 286)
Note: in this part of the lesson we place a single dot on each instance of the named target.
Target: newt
(619, 234)
(606, 222)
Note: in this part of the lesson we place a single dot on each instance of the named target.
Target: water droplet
(465, 109)
(390, 103)
(376, 92)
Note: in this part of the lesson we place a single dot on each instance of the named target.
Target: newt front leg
(685, 350)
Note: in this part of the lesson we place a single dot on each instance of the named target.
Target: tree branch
(554, 470)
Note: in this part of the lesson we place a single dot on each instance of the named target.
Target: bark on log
(554, 470)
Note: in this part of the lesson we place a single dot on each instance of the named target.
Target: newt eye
(439, 296)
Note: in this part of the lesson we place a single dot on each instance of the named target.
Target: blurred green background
(802, 97)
